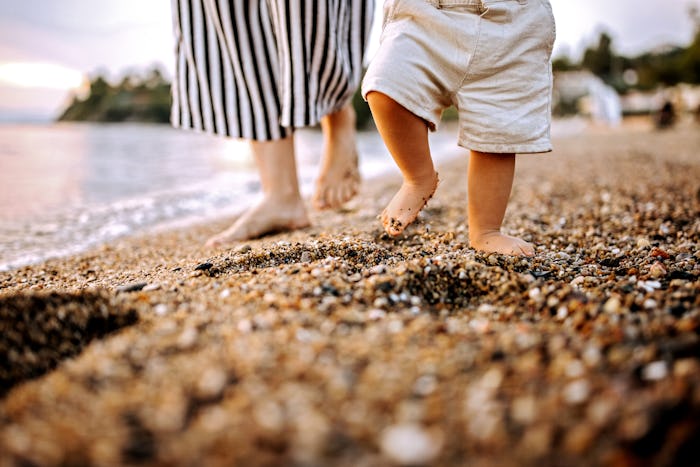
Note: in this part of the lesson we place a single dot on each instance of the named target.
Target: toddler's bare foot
(406, 204)
(339, 180)
(496, 242)
(268, 216)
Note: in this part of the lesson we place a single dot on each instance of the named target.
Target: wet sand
(337, 345)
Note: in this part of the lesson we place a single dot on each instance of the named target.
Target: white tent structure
(594, 98)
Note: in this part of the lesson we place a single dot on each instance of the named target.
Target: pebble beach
(337, 345)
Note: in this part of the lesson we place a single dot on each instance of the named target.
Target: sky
(48, 47)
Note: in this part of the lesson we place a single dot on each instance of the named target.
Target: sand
(337, 345)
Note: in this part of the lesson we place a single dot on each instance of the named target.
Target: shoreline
(79, 227)
(336, 345)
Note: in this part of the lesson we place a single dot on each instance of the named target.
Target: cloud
(23, 41)
(87, 35)
(39, 103)
(635, 26)
(40, 75)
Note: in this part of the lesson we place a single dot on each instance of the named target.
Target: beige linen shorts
(491, 59)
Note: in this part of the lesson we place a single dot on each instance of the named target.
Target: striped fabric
(256, 69)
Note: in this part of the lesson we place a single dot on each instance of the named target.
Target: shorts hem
(404, 101)
(500, 148)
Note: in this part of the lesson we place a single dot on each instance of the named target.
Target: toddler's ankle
(428, 180)
(493, 241)
(478, 237)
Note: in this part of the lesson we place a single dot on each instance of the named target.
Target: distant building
(642, 103)
(583, 93)
(684, 97)
(688, 97)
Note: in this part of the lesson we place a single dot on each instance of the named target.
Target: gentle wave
(65, 188)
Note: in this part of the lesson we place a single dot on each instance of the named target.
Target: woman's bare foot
(406, 204)
(496, 242)
(339, 179)
(268, 216)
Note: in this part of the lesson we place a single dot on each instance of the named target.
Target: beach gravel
(338, 345)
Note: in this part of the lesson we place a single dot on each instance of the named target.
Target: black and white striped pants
(257, 69)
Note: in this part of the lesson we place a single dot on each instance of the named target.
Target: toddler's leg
(489, 183)
(406, 137)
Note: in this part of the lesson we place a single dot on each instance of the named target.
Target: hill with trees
(134, 99)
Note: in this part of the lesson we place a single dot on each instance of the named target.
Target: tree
(690, 61)
(601, 60)
(564, 63)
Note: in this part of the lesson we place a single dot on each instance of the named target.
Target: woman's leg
(339, 177)
(263, 87)
(322, 44)
(282, 207)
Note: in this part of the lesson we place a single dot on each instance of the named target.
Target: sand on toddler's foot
(407, 204)
(496, 242)
(268, 216)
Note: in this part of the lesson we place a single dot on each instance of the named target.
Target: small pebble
(409, 444)
(643, 243)
(425, 385)
(562, 312)
(395, 326)
(577, 392)
(659, 253)
(524, 409)
(486, 308)
(649, 286)
(204, 266)
(376, 314)
(655, 371)
(211, 382)
(187, 338)
(243, 249)
(575, 369)
(612, 305)
(577, 281)
(657, 270)
(161, 309)
(135, 287)
(534, 293)
(245, 326)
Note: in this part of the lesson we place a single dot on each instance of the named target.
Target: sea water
(66, 187)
